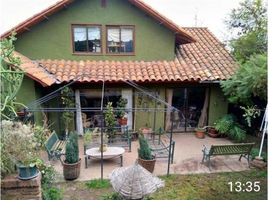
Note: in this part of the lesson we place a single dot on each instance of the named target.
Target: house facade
(129, 47)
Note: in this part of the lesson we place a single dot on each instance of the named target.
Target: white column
(79, 123)
(128, 94)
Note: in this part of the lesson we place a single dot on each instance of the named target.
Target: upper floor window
(86, 38)
(120, 39)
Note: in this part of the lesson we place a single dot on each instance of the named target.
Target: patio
(187, 159)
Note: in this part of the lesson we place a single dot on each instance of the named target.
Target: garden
(23, 144)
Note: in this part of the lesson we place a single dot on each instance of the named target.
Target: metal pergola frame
(33, 107)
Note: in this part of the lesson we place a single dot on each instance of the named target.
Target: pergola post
(79, 122)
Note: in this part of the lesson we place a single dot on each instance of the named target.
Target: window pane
(113, 42)
(127, 40)
(80, 39)
(94, 39)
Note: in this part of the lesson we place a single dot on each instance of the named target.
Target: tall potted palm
(145, 159)
(72, 162)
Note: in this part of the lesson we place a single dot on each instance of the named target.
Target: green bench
(55, 148)
(242, 149)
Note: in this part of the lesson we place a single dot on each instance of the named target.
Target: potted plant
(18, 148)
(200, 132)
(110, 120)
(121, 111)
(72, 162)
(212, 132)
(145, 159)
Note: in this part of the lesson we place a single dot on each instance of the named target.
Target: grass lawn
(181, 187)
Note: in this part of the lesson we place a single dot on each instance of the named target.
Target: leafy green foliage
(72, 150)
(250, 112)
(144, 151)
(249, 22)
(227, 125)
(255, 152)
(110, 120)
(52, 193)
(67, 99)
(98, 184)
(249, 81)
(112, 196)
(88, 137)
(11, 78)
(121, 107)
(48, 172)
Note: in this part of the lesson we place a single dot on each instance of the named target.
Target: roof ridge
(184, 36)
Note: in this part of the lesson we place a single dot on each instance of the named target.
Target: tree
(247, 88)
(11, 78)
(249, 23)
(249, 82)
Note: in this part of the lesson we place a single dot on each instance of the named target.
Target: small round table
(111, 152)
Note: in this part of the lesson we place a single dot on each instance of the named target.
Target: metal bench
(55, 148)
(242, 149)
(160, 147)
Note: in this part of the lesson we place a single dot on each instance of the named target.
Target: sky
(185, 13)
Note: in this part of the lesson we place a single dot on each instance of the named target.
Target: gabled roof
(182, 36)
(204, 60)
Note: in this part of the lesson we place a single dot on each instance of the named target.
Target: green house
(134, 52)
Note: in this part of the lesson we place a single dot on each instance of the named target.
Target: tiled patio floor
(187, 159)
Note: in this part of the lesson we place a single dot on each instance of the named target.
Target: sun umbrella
(134, 182)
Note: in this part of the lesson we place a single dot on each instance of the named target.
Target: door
(189, 102)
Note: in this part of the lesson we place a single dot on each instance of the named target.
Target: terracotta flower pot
(122, 121)
(200, 133)
(212, 132)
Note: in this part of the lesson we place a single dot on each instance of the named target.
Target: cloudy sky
(209, 13)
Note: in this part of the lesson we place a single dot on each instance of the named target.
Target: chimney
(103, 3)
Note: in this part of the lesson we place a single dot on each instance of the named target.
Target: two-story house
(93, 42)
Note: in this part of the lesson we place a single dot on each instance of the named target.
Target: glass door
(189, 102)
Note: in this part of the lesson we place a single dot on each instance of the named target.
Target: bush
(72, 149)
(18, 145)
(228, 125)
(112, 196)
(51, 194)
(255, 152)
(144, 151)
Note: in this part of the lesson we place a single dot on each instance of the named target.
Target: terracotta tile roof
(35, 71)
(204, 60)
(182, 36)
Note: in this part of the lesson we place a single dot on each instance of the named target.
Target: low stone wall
(14, 189)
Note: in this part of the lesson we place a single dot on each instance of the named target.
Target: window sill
(87, 54)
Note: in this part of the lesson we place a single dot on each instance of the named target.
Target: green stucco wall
(145, 118)
(51, 39)
(27, 94)
(218, 105)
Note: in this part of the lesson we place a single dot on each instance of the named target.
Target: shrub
(121, 107)
(112, 196)
(110, 120)
(18, 145)
(51, 194)
(255, 152)
(144, 151)
(87, 137)
(228, 125)
(72, 150)
(98, 184)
